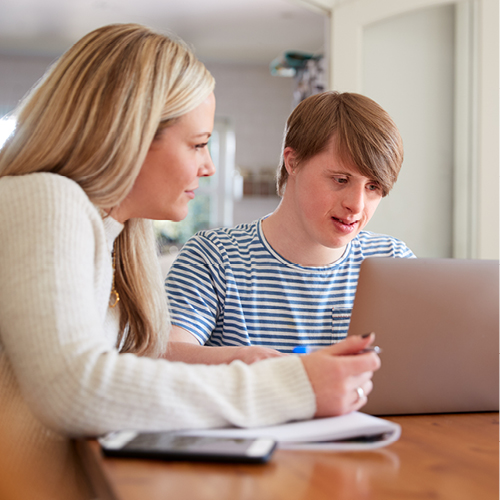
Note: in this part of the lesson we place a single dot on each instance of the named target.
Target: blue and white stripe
(229, 287)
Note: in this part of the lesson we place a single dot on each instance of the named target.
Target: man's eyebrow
(338, 172)
(332, 171)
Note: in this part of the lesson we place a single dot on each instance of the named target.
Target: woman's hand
(337, 372)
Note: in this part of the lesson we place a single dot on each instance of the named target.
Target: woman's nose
(207, 168)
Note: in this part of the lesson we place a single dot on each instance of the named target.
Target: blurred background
(432, 64)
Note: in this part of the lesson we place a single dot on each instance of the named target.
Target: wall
(488, 152)
(412, 77)
(257, 104)
(476, 186)
(17, 75)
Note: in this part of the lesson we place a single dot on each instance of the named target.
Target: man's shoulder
(377, 244)
(240, 235)
(370, 236)
(223, 247)
(242, 229)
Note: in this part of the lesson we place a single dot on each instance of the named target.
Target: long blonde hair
(92, 118)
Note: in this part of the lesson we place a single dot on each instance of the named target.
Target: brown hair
(92, 119)
(364, 135)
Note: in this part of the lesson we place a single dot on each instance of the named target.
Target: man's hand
(184, 347)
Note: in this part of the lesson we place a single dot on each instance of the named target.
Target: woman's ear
(289, 160)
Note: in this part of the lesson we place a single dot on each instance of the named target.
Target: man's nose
(354, 199)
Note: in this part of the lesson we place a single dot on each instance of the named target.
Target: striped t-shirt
(228, 287)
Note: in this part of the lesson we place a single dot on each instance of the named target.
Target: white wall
(487, 217)
(17, 75)
(408, 68)
(257, 104)
(349, 23)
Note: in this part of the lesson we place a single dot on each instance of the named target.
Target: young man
(258, 290)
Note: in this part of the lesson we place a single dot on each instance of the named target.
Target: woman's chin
(177, 217)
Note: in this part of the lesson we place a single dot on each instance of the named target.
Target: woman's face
(172, 168)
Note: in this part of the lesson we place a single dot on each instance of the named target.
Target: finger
(352, 344)
(366, 388)
(360, 394)
(359, 364)
(360, 380)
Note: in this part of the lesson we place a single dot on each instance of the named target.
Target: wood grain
(451, 457)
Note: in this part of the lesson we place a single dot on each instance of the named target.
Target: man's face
(333, 201)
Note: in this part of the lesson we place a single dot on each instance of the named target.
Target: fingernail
(365, 335)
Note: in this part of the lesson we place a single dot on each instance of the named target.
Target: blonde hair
(364, 134)
(92, 118)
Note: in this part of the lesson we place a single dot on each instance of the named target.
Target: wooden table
(438, 457)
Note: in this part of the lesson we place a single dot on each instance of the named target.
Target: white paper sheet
(331, 433)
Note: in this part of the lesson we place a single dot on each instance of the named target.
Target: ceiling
(218, 30)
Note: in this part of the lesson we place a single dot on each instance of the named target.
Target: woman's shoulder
(42, 189)
(39, 182)
(45, 199)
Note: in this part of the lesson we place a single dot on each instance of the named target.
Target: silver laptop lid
(436, 321)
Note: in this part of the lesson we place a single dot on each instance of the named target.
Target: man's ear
(289, 158)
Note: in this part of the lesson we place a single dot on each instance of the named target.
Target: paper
(334, 433)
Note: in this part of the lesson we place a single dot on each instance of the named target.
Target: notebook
(436, 321)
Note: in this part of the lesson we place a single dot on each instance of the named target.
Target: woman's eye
(201, 146)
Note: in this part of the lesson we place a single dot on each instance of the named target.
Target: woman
(115, 134)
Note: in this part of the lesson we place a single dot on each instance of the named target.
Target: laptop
(437, 323)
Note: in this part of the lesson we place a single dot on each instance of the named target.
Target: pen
(306, 349)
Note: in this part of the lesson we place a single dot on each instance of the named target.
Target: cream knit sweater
(57, 333)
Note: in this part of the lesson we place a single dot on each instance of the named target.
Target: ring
(360, 392)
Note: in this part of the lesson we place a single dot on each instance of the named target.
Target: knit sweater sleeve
(53, 262)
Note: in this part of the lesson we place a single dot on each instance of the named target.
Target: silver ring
(360, 392)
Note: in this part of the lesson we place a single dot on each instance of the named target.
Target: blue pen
(306, 349)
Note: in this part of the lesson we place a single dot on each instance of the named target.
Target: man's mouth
(345, 222)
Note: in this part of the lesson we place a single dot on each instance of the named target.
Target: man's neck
(285, 236)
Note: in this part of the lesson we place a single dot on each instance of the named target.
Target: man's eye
(340, 180)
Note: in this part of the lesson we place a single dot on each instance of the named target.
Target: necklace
(114, 296)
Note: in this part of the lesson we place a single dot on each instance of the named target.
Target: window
(7, 126)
